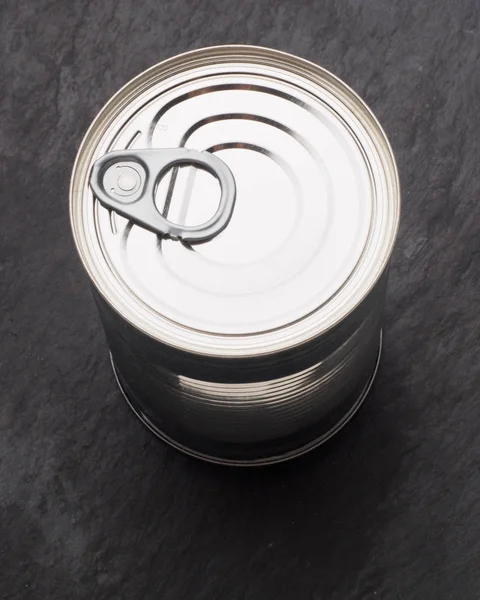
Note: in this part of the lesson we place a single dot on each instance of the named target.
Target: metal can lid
(316, 211)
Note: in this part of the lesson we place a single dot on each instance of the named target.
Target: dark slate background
(91, 505)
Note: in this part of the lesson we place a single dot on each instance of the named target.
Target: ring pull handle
(125, 181)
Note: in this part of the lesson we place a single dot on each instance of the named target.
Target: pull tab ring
(125, 181)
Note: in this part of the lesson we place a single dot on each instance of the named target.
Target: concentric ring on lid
(315, 218)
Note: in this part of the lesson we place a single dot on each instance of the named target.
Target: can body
(260, 399)
(242, 412)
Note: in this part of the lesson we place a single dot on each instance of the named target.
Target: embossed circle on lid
(315, 215)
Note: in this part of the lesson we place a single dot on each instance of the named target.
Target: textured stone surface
(91, 506)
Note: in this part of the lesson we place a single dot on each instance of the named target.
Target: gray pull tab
(125, 181)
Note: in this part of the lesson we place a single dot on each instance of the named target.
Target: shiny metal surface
(126, 182)
(249, 413)
(325, 211)
(261, 340)
(303, 214)
(288, 449)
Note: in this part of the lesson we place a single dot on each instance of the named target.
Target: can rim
(203, 343)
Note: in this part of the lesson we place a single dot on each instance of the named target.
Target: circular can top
(316, 208)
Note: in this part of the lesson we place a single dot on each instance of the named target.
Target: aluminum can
(236, 208)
